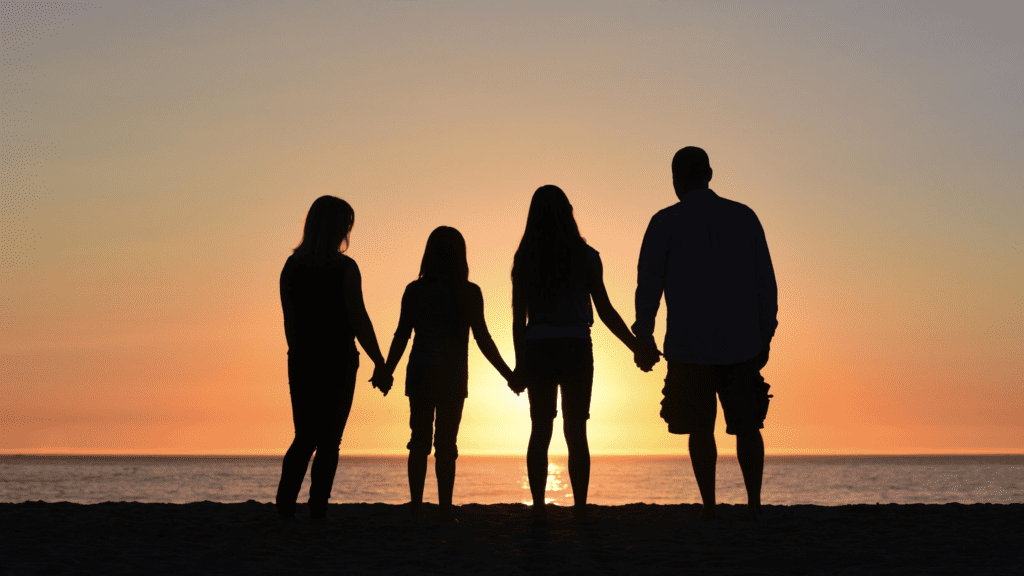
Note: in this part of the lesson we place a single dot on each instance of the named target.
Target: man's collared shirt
(709, 257)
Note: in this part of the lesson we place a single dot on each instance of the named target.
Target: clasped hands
(645, 356)
(382, 378)
(516, 381)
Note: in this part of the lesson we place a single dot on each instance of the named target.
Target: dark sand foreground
(211, 538)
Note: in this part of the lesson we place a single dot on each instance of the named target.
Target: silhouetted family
(707, 255)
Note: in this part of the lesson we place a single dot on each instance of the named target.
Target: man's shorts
(553, 363)
(689, 405)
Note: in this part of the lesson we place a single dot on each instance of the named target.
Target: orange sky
(159, 159)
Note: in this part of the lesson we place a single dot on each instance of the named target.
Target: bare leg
(750, 453)
(537, 464)
(703, 457)
(579, 464)
(445, 471)
(417, 476)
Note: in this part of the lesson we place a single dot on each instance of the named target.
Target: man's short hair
(691, 164)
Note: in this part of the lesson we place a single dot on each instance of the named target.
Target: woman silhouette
(322, 299)
(555, 275)
(441, 306)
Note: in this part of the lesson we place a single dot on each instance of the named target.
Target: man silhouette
(709, 257)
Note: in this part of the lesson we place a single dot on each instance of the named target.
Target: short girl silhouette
(441, 306)
(322, 299)
(555, 275)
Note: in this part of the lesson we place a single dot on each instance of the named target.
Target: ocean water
(615, 480)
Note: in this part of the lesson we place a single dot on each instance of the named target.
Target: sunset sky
(159, 159)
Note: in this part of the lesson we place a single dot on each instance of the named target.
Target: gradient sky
(159, 159)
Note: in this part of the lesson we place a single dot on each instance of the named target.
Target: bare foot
(445, 516)
(540, 515)
(416, 512)
(753, 512)
(581, 517)
(707, 514)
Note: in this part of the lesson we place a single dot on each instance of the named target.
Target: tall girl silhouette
(322, 299)
(555, 275)
(441, 306)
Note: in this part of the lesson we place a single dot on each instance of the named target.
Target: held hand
(646, 357)
(382, 379)
(516, 383)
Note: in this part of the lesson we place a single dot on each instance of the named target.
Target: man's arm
(650, 285)
(767, 291)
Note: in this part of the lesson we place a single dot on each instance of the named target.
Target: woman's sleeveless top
(569, 316)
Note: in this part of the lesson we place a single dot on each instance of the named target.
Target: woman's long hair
(328, 225)
(444, 259)
(552, 255)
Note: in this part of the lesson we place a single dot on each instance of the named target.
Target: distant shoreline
(245, 538)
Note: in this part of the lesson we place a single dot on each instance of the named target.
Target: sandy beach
(248, 538)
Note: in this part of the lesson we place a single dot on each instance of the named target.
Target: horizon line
(275, 454)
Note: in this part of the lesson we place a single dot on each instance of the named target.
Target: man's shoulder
(732, 206)
(665, 215)
(668, 211)
(735, 211)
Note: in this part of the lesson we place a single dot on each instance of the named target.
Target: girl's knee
(446, 453)
(419, 446)
(542, 425)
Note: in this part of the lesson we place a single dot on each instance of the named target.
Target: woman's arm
(518, 336)
(361, 325)
(483, 337)
(604, 307)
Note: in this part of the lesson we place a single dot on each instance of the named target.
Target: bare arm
(358, 317)
(490, 351)
(518, 322)
(604, 307)
(398, 345)
(401, 338)
(518, 336)
(483, 337)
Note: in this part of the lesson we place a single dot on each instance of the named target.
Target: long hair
(552, 255)
(445, 256)
(444, 259)
(328, 225)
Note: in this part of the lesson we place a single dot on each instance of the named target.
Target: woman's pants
(321, 388)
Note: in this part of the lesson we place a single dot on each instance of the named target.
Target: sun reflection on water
(556, 488)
